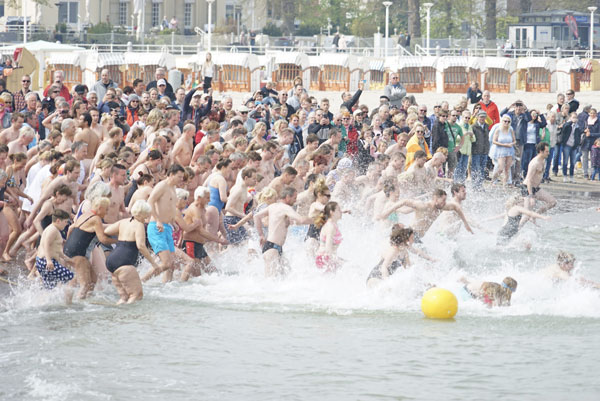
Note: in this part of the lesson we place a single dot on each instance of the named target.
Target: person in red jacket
(490, 107)
(59, 77)
(132, 109)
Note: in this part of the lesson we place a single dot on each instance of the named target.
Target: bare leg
(547, 198)
(132, 285)
(271, 258)
(165, 264)
(83, 274)
(120, 289)
(507, 163)
(25, 237)
(15, 231)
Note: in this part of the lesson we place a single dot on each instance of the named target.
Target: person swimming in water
(490, 293)
(562, 270)
(394, 256)
(512, 222)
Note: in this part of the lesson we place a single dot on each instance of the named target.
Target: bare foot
(6, 257)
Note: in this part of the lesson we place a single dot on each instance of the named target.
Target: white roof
(184, 61)
(503, 63)
(314, 61)
(143, 59)
(72, 58)
(537, 62)
(398, 63)
(345, 60)
(300, 59)
(374, 64)
(105, 59)
(246, 60)
(429, 61)
(568, 64)
(459, 61)
(41, 45)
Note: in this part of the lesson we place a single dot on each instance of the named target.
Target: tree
(490, 19)
(414, 18)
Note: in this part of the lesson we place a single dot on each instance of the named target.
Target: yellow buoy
(438, 303)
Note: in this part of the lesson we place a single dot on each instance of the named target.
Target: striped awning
(537, 62)
(502, 63)
(68, 58)
(375, 64)
(587, 64)
(143, 59)
(453, 61)
(299, 59)
(105, 59)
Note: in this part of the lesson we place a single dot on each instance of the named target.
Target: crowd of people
(92, 179)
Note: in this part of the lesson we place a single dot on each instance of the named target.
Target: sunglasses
(327, 195)
(244, 112)
(505, 121)
(24, 81)
(55, 91)
(421, 131)
(134, 101)
(444, 115)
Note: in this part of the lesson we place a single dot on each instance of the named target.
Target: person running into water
(394, 256)
(50, 255)
(330, 237)
(513, 219)
(122, 261)
(280, 215)
(535, 174)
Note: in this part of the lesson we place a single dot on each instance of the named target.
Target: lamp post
(592, 9)
(387, 5)
(210, 3)
(428, 9)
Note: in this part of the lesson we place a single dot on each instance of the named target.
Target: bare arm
(112, 229)
(37, 222)
(460, 214)
(140, 242)
(99, 229)
(258, 223)
(531, 213)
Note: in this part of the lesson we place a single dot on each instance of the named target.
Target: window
(67, 11)
(187, 15)
(155, 14)
(1, 8)
(122, 13)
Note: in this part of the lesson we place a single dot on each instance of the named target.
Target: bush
(308, 29)
(272, 30)
(101, 27)
(165, 32)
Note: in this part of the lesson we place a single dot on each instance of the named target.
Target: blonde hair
(267, 194)
(182, 194)
(499, 294)
(140, 207)
(100, 202)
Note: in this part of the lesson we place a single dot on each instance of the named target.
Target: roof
(105, 59)
(537, 62)
(41, 45)
(300, 59)
(73, 58)
(184, 62)
(503, 63)
(568, 64)
(143, 59)
(459, 61)
(245, 60)
(340, 59)
(314, 61)
(374, 64)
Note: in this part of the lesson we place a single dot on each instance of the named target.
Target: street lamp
(210, 3)
(428, 9)
(387, 5)
(592, 9)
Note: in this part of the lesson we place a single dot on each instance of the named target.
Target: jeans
(569, 153)
(596, 171)
(451, 163)
(549, 163)
(478, 164)
(528, 154)
(585, 161)
(460, 174)
(558, 150)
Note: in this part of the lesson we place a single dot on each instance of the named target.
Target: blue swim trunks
(51, 278)
(161, 241)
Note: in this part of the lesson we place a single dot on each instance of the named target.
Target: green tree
(490, 19)
(414, 18)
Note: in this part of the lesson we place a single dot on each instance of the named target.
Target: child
(50, 251)
(596, 159)
(491, 294)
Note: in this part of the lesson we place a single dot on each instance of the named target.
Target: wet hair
(174, 169)
(320, 187)
(456, 187)
(289, 170)
(389, 186)
(565, 257)
(310, 179)
(418, 154)
(87, 117)
(223, 163)
(499, 294)
(59, 214)
(248, 172)
(326, 214)
(400, 234)
(140, 207)
(155, 155)
(541, 147)
(438, 193)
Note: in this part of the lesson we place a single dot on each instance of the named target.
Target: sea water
(309, 336)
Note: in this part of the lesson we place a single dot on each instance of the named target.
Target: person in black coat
(570, 138)
(439, 136)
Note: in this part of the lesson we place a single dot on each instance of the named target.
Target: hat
(243, 109)
(357, 112)
(384, 97)
(133, 96)
(80, 89)
(345, 163)
(161, 82)
(276, 107)
(482, 113)
(197, 94)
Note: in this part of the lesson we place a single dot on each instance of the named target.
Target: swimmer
(280, 215)
(491, 294)
(50, 255)
(513, 219)
(79, 244)
(394, 256)
(531, 185)
(330, 237)
(562, 270)
(122, 261)
(217, 186)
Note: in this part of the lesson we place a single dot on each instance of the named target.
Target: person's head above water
(565, 260)
(401, 235)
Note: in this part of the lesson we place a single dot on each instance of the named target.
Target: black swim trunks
(194, 250)
(525, 191)
(270, 245)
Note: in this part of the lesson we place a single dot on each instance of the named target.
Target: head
(459, 191)
(118, 174)
(439, 198)
(141, 210)
(420, 158)
(401, 236)
(60, 219)
(566, 261)
(100, 206)
(331, 211)
(543, 149)
(176, 175)
(288, 195)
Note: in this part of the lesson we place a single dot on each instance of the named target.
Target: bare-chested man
(267, 166)
(163, 202)
(312, 143)
(415, 179)
(87, 135)
(11, 133)
(184, 147)
(96, 127)
(235, 207)
(396, 165)
(427, 212)
(193, 241)
(115, 137)
(116, 210)
(68, 128)
(19, 145)
(531, 185)
(280, 215)
(286, 179)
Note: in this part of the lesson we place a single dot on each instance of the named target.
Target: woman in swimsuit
(145, 184)
(394, 256)
(81, 233)
(102, 171)
(512, 219)
(14, 186)
(124, 258)
(322, 195)
(217, 185)
(330, 237)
